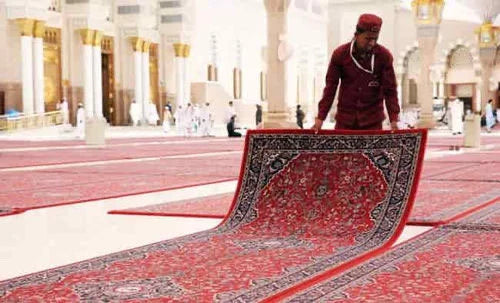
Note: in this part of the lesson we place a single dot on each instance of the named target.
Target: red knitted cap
(369, 22)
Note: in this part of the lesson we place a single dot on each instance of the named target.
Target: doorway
(2, 103)
(107, 88)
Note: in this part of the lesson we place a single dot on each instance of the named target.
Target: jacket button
(360, 89)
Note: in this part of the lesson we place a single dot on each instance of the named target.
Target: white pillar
(97, 75)
(88, 66)
(38, 69)
(146, 89)
(179, 74)
(88, 85)
(138, 79)
(27, 73)
(441, 89)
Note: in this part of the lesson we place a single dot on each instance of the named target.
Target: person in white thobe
(179, 120)
(457, 112)
(167, 117)
(80, 121)
(63, 107)
(152, 115)
(188, 119)
(490, 118)
(134, 113)
(206, 120)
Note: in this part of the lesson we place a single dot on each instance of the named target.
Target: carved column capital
(97, 38)
(87, 36)
(179, 49)
(39, 31)
(26, 26)
(137, 44)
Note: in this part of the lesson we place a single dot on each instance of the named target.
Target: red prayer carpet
(35, 189)
(439, 202)
(306, 206)
(455, 263)
(111, 152)
(216, 206)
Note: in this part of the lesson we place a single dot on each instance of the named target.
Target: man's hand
(318, 123)
(394, 125)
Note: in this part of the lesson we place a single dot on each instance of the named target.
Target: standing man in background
(366, 72)
(299, 113)
(258, 116)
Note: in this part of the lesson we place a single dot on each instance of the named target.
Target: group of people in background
(192, 120)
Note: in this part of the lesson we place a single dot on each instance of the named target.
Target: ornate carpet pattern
(306, 205)
(447, 264)
(216, 206)
(439, 202)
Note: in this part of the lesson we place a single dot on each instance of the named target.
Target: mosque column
(186, 77)
(38, 68)
(487, 51)
(428, 18)
(97, 73)
(26, 26)
(88, 84)
(146, 88)
(137, 44)
(179, 74)
(277, 66)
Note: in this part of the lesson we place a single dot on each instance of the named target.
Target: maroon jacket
(361, 94)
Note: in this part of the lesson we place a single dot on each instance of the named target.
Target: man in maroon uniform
(367, 78)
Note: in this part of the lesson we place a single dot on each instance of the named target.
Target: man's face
(366, 41)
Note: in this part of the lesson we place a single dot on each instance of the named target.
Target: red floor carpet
(59, 143)
(216, 206)
(439, 202)
(22, 191)
(306, 206)
(435, 169)
(447, 264)
(489, 172)
(62, 156)
(486, 156)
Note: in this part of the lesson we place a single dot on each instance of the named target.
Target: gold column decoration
(145, 46)
(98, 35)
(428, 11)
(487, 34)
(137, 44)
(154, 75)
(186, 51)
(26, 26)
(54, 85)
(39, 31)
(179, 49)
(87, 36)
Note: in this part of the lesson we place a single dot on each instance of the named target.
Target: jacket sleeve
(332, 81)
(390, 90)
